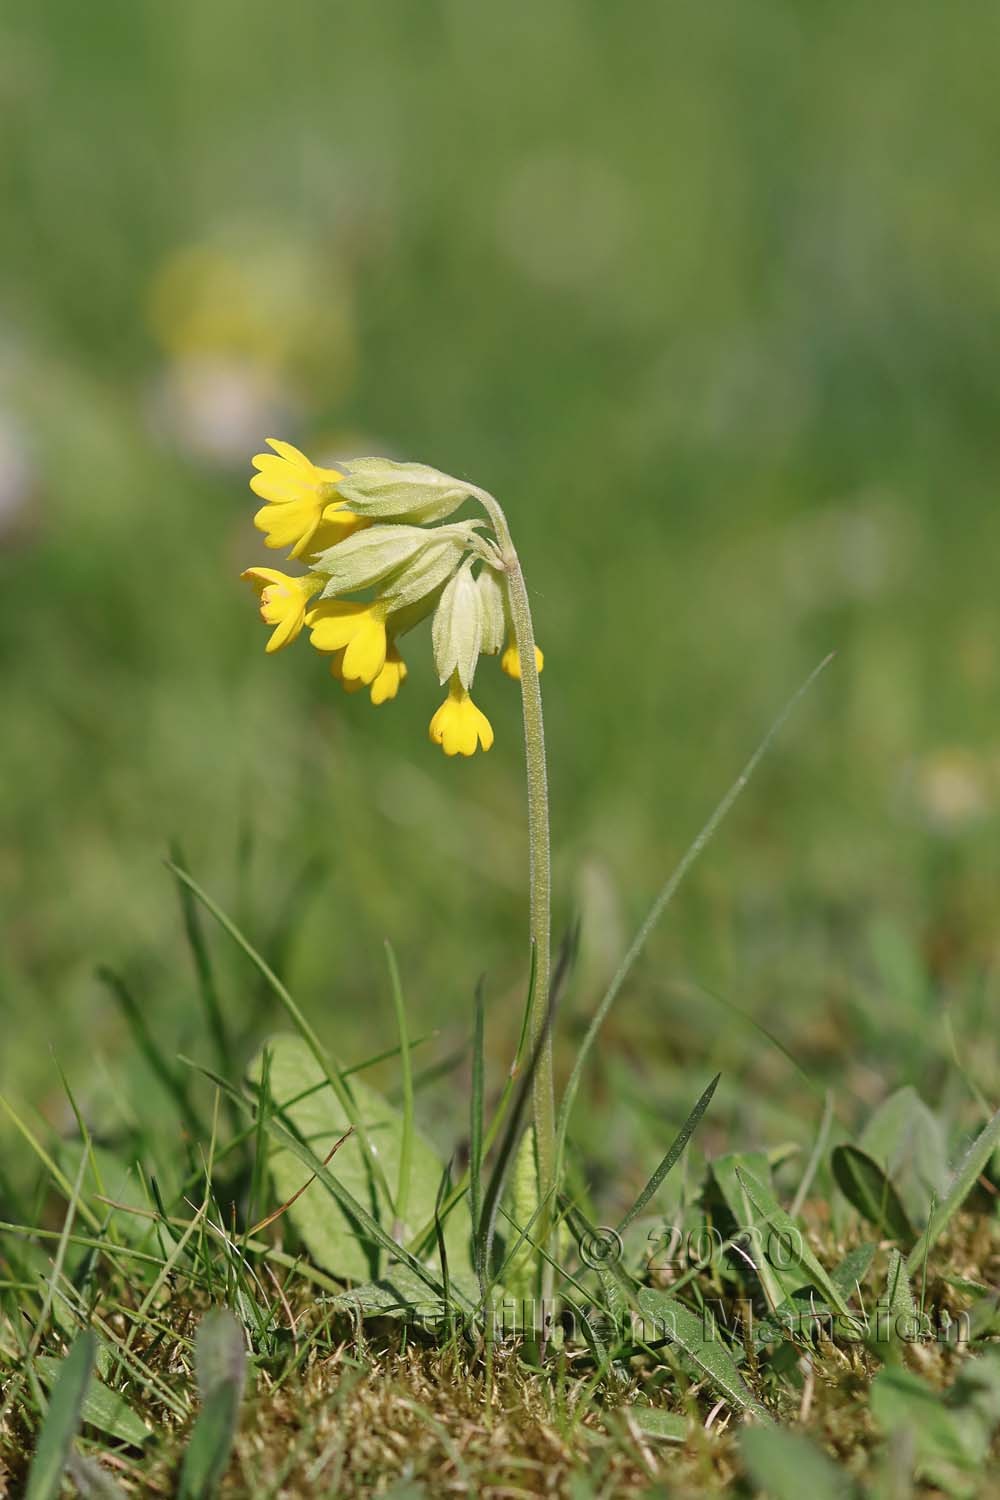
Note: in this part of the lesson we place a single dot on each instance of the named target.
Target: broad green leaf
(652, 1422)
(898, 1293)
(700, 1340)
(907, 1142)
(102, 1407)
(867, 1188)
(778, 1284)
(853, 1268)
(398, 1294)
(962, 1182)
(792, 1239)
(951, 1433)
(333, 1239)
(69, 1387)
(220, 1359)
(788, 1466)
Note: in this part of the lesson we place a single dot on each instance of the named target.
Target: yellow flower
(349, 684)
(283, 602)
(384, 687)
(356, 629)
(391, 678)
(300, 497)
(459, 727)
(511, 660)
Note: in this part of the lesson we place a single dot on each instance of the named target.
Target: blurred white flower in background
(842, 554)
(950, 789)
(216, 407)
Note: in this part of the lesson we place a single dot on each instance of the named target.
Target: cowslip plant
(383, 554)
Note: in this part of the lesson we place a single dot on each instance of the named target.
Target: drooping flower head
(383, 556)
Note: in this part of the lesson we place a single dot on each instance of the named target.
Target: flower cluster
(382, 556)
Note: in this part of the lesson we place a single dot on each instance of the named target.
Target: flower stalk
(540, 872)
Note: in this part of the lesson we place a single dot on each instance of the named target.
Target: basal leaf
(866, 1187)
(700, 1340)
(102, 1407)
(788, 1466)
(333, 1239)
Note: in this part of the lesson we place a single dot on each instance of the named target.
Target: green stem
(540, 867)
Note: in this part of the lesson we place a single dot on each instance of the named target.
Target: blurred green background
(709, 296)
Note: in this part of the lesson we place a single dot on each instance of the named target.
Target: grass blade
(308, 1035)
(369, 1226)
(207, 987)
(406, 1065)
(663, 900)
(61, 1420)
(670, 1160)
(147, 1045)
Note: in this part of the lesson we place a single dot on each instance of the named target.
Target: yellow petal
(288, 525)
(365, 655)
(288, 452)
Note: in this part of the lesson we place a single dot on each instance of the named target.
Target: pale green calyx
(383, 490)
(494, 611)
(457, 630)
(429, 568)
(365, 558)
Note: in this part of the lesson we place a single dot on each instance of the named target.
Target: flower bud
(383, 490)
(494, 612)
(457, 630)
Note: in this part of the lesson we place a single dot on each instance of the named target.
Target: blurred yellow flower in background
(510, 661)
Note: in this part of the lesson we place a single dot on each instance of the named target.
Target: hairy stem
(540, 868)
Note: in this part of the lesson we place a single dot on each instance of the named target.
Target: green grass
(703, 293)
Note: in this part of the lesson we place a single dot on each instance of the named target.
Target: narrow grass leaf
(963, 1181)
(149, 1047)
(673, 1155)
(306, 1032)
(406, 1069)
(476, 1112)
(867, 1188)
(62, 1420)
(660, 905)
(355, 1211)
